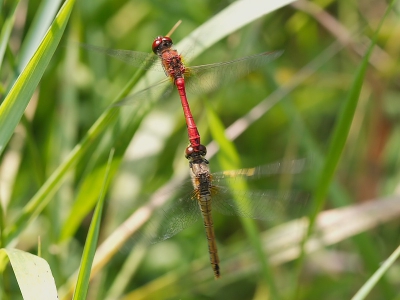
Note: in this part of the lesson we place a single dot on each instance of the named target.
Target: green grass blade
(232, 18)
(44, 16)
(338, 195)
(6, 31)
(369, 285)
(92, 238)
(342, 129)
(18, 98)
(41, 198)
(340, 135)
(229, 160)
(33, 275)
(81, 208)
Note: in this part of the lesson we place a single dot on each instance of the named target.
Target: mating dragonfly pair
(209, 191)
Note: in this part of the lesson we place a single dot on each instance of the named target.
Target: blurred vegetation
(304, 91)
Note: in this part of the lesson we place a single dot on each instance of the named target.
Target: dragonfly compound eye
(189, 152)
(160, 43)
(156, 43)
(167, 41)
(202, 150)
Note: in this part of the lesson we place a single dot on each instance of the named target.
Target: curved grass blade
(369, 285)
(92, 238)
(339, 138)
(229, 159)
(33, 275)
(45, 14)
(6, 31)
(21, 92)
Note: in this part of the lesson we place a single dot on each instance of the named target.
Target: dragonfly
(197, 79)
(206, 192)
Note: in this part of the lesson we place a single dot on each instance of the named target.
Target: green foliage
(57, 126)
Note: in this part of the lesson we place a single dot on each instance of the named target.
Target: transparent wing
(165, 223)
(143, 60)
(160, 90)
(206, 78)
(200, 79)
(262, 205)
(295, 166)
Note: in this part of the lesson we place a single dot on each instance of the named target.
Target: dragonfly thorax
(199, 168)
(201, 179)
(172, 63)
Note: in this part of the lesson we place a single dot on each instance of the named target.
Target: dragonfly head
(193, 154)
(196, 156)
(161, 43)
(197, 163)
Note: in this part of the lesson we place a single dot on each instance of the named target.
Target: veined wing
(184, 211)
(206, 78)
(162, 89)
(262, 205)
(165, 223)
(143, 60)
(295, 166)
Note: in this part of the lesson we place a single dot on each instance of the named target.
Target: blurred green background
(323, 43)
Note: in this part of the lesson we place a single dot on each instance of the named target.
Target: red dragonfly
(226, 193)
(197, 78)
